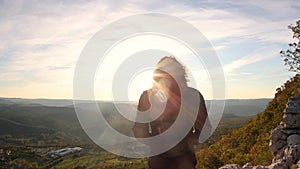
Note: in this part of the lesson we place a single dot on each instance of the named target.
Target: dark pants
(184, 161)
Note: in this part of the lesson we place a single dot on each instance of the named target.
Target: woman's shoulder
(191, 89)
(147, 92)
(144, 103)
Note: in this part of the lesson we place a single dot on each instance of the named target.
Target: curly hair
(172, 66)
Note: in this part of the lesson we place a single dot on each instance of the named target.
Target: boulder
(280, 164)
(291, 121)
(231, 166)
(276, 146)
(293, 106)
(294, 152)
(291, 131)
(277, 134)
(293, 139)
(279, 154)
(261, 167)
(248, 166)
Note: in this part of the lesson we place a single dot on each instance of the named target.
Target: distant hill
(250, 142)
(46, 102)
(250, 107)
(29, 125)
(53, 119)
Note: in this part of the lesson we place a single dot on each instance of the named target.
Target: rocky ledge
(284, 141)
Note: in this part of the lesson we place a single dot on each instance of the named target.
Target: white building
(64, 151)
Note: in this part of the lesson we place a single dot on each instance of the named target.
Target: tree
(292, 55)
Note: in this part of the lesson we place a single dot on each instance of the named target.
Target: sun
(140, 82)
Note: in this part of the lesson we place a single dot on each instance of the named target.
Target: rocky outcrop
(284, 141)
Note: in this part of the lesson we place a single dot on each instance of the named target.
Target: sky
(41, 42)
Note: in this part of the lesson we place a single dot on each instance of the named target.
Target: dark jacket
(166, 119)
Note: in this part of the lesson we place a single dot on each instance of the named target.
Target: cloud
(232, 19)
(41, 41)
(46, 35)
(256, 56)
(59, 67)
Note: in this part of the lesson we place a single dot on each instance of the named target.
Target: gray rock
(291, 131)
(291, 120)
(293, 106)
(278, 155)
(248, 166)
(261, 167)
(231, 166)
(277, 134)
(280, 164)
(289, 160)
(293, 139)
(294, 152)
(276, 146)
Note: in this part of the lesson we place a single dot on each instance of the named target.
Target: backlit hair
(173, 67)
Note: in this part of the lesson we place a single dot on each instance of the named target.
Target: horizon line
(39, 98)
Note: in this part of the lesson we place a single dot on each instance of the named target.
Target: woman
(169, 84)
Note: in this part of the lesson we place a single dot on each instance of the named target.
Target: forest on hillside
(250, 143)
(30, 130)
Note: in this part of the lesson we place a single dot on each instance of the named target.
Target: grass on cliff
(250, 143)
